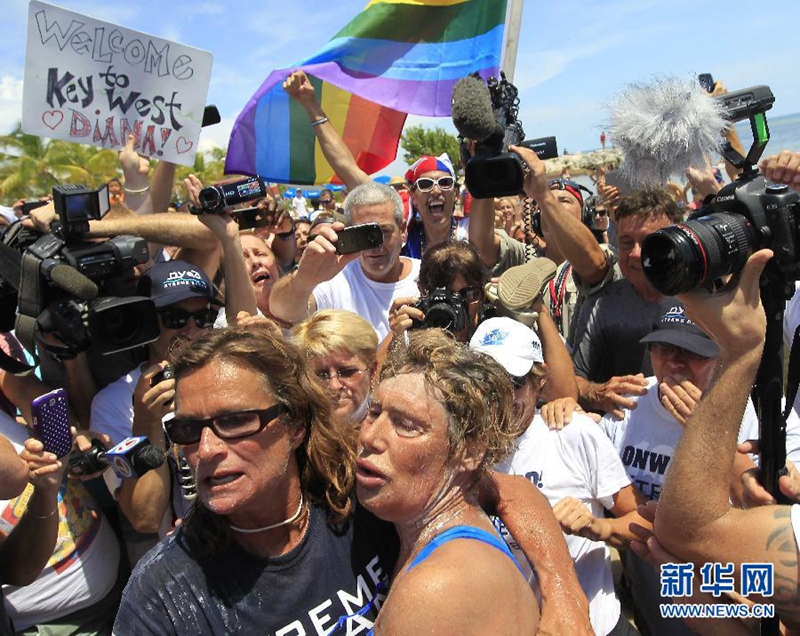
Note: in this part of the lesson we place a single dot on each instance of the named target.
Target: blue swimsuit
(457, 532)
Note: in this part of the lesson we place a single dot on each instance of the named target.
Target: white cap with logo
(512, 344)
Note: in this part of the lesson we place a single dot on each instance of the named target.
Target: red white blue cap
(427, 163)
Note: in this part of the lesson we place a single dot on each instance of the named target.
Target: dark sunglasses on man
(177, 318)
(425, 184)
(234, 425)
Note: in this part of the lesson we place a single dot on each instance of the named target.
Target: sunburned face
(248, 479)
(262, 267)
(403, 469)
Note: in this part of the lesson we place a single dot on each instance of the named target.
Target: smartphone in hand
(51, 422)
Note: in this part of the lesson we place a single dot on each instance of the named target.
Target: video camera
(487, 113)
(443, 309)
(746, 215)
(54, 281)
(216, 199)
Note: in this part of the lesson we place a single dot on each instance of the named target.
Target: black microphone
(69, 279)
(131, 458)
(472, 109)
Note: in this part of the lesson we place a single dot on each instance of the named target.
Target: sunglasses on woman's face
(226, 426)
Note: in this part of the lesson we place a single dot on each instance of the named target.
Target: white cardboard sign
(93, 82)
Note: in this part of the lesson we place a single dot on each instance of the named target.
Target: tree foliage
(418, 140)
(30, 166)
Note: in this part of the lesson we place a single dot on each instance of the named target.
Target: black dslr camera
(746, 215)
(493, 171)
(218, 198)
(443, 309)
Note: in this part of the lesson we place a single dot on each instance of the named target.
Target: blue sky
(574, 55)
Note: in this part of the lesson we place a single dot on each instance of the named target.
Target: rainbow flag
(395, 57)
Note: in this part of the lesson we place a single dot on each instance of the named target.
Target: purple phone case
(51, 422)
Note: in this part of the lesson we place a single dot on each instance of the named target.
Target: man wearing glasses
(135, 404)
(433, 199)
(363, 282)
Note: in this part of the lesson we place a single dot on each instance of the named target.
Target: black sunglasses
(177, 318)
(227, 426)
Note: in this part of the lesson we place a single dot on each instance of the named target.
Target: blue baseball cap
(674, 327)
(171, 282)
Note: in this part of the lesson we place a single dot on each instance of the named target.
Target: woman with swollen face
(441, 415)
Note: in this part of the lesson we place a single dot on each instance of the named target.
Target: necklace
(292, 519)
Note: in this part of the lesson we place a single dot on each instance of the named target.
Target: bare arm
(526, 513)
(481, 231)
(136, 170)
(563, 232)
(29, 546)
(13, 470)
(239, 293)
(291, 299)
(695, 520)
(169, 229)
(145, 500)
(330, 142)
(560, 372)
(161, 186)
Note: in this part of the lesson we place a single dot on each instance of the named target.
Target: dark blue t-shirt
(334, 572)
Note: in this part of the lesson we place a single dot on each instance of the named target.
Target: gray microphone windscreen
(665, 127)
(472, 109)
(72, 281)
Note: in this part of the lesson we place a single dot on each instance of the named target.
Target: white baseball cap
(516, 347)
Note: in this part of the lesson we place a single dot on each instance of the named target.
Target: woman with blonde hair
(341, 349)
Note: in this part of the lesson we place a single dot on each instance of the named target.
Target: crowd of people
(450, 432)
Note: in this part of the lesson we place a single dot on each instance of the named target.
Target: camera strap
(29, 305)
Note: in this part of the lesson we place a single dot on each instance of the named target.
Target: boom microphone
(472, 109)
(665, 127)
(131, 458)
(69, 279)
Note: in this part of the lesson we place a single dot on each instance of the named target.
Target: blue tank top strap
(463, 532)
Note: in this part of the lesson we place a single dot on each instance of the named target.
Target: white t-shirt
(83, 568)
(646, 438)
(300, 207)
(579, 462)
(350, 289)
